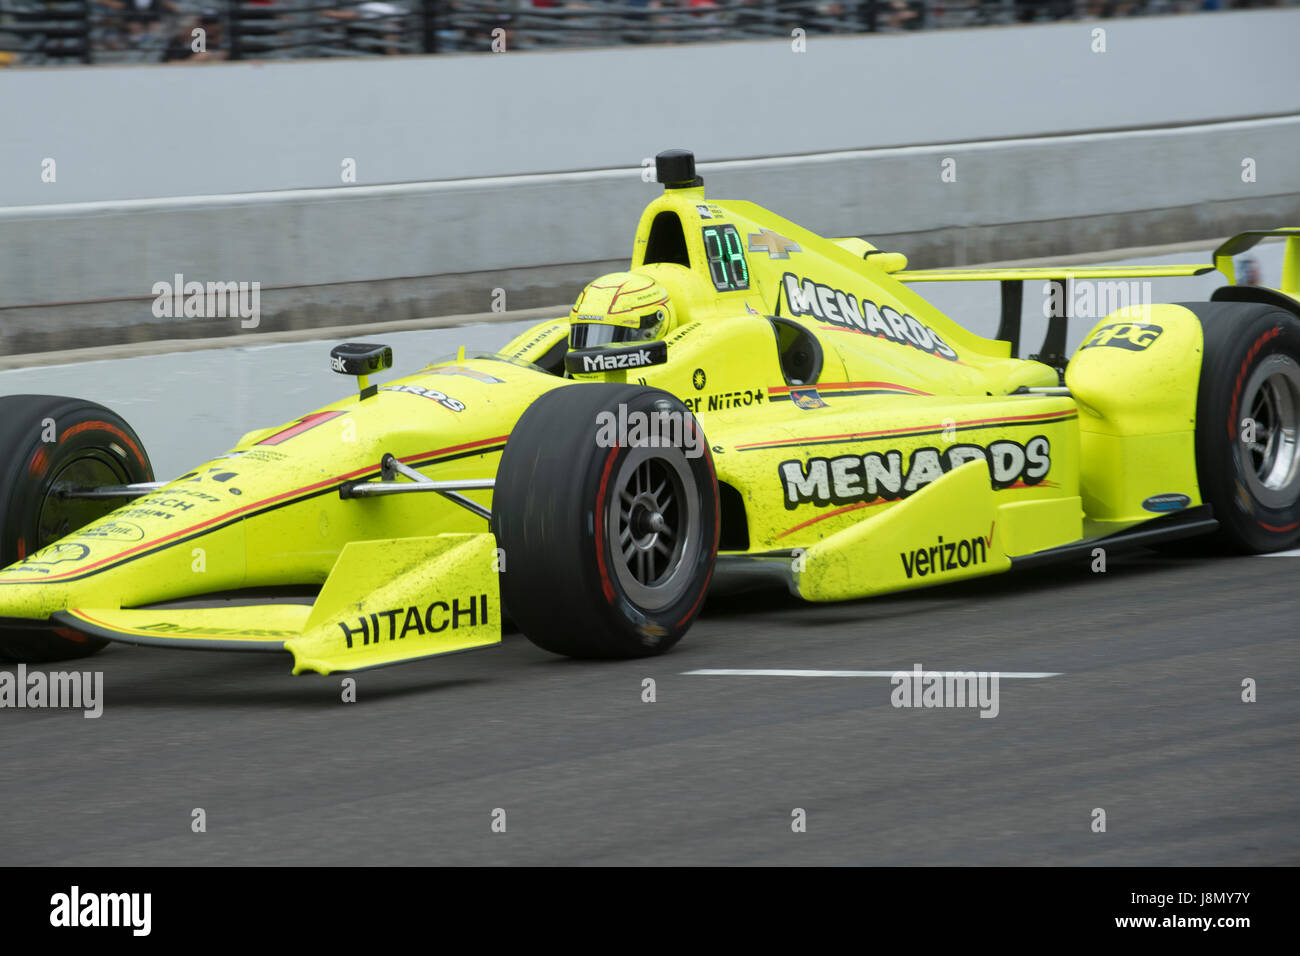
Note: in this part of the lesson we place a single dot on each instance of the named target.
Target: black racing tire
(1250, 370)
(566, 497)
(47, 440)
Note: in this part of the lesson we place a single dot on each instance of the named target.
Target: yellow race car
(747, 394)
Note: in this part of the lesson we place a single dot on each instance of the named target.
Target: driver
(622, 308)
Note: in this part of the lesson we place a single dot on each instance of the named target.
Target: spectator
(373, 26)
(144, 18)
(1248, 271)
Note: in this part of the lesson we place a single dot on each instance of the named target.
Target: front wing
(384, 602)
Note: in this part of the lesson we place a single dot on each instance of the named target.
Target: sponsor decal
(806, 297)
(543, 336)
(612, 359)
(1134, 336)
(190, 493)
(262, 454)
(113, 531)
(213, 474)
(417, 621)
(429, 393)
(54, 554)
(173, 499)
(704, 212)
(946, 556)
(145, 513)
(775, 245)
(721, 401)
(173, 504)
(252, 454)
(1163, 504)
(806, 398)
(848, 479)
(699, 379)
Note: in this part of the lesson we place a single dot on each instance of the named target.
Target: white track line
(1294, 552)
(771, 672)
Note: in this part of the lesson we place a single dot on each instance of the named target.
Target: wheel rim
(1271, 463)
(654, 521)
(61, 516)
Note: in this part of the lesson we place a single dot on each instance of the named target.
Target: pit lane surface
(1145, 720)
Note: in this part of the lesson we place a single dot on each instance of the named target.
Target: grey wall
(80, 272)
(134, 132)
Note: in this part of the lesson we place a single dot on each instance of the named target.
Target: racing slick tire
(1250, 372)
(49, 440)
(608, 540)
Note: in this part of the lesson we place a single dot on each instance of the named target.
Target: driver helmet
(622, 308)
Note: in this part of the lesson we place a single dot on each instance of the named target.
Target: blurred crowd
(106, 31)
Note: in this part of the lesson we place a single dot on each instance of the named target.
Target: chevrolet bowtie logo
(776, 246)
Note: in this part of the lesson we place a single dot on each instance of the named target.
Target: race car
(747, 397)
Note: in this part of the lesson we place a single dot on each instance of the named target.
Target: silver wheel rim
(1271, 463)
(654, 524)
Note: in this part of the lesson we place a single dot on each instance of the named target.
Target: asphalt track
(1144, 720)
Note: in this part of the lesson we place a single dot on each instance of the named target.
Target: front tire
(608, 547)
(1250, 383)
(49, 440)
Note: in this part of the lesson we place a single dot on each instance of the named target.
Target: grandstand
(63, 32)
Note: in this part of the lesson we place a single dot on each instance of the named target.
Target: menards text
(847, 479)
(806, 297)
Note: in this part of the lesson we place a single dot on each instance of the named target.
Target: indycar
(806, 417)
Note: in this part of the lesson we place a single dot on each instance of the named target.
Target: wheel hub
(60, 516)
(1270, 432)
(654, 526)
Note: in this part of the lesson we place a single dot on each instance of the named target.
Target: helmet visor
(587, 335)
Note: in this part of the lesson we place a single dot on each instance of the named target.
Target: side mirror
(361, 359)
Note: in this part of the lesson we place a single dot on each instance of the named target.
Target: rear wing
(1289, 284)
(1052, 351)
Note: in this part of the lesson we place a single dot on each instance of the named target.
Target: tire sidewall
(1237, 342)
(81, 430)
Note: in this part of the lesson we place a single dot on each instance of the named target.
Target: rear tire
(1250, 372)
(47, 440)
(608, 548)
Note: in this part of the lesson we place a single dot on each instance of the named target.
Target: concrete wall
(150, 131)
(341, 254)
